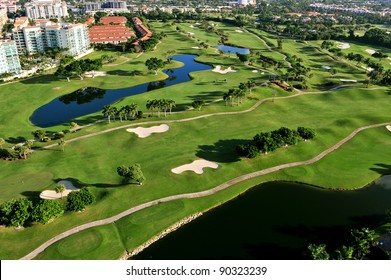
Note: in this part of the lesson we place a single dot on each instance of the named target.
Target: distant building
(112, 31)
(108, 6)
(3, 17)
(46, 9)
(9, 58)
(47, 35)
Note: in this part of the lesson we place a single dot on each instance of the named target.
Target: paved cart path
(198, 194)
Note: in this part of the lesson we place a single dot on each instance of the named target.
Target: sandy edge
(388, 127)
(143, 132)
(219, 70)
(51, 194)
(342, 45)
(196, 166)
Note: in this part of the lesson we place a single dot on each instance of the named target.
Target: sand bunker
(50, 194)
(95, 74)
(326, 67)
(240, 31)
(367, 68)
(191, 26)
(219, 70)
(370, 51)
(351, 81)
(197, 48)
(342, 45)
(143, 132)
(388, 127)
(197, 166)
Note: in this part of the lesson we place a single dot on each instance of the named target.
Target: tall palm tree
(121, 113)
(2, 142)
(227, 97)
(60, 188)
(250, 85)
(107, 112)
(171, 104)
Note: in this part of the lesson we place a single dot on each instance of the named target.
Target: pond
(89, 100)
(275, 220)
(232, 50)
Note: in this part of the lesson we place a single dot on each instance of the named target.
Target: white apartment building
(9, 58)
(46, 9)
(33, 39)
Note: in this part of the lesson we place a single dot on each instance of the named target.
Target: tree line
(78, 68)
(23, 211)
(238, 93)
(270, 141)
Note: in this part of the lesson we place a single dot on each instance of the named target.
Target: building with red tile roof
(142, 29)
(113, 20)
(112, 31)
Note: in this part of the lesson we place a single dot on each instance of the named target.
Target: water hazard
(276, 220)
(90, 100)
(232, 50)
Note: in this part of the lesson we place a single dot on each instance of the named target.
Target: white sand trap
(96, 74)
(255, 71)
(368, 68)
(240, 31)
(326, 67)
(370, 51)
(219, 70)
(197, 166)
(388, 127)
(197, 48)
(50, 194)
(351, 81)
(190, 33)
(143, 132)
(341, 45)
(191, 26)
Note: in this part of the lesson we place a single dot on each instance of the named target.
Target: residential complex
(112, 31)
(46, 35)
(46, 9)
(9, 59)
(145, 33)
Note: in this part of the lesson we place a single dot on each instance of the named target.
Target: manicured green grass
(93, 161)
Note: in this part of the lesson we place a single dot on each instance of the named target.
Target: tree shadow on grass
(118, 73)
(32, 195)
(221, 151)
(16, 140)
(382, 168)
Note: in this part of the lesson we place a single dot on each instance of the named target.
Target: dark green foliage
(132, 172)
(197, 104)
(15, 212)
(306, 133)
(318, 252)
(39, 133)
(46, 210)
(247, 150)
(270, 141)
(154, 64)
(242, 57)
(78, 200)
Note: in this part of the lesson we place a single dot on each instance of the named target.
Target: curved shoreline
(214, 190)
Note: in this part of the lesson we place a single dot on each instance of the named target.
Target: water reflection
(83, 95)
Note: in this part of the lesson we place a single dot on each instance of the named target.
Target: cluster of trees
(154, 63)
(132, 172)
(358, 246)
(377, 75)
(22, 211)
(238, 93)
(270, 141)
(127, 112)
(160, 105)
(78, 68)
(197, 104)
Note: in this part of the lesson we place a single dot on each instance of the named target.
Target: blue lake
(275, 220)
(90, 100)
(232, 50)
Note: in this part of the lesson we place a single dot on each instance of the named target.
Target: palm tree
(171, 104)
(121, 113)
(62, 144)
(60, 188)
(29, 144)
(250, 85)
(2, 142)
(107, 112)
(227, 97)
